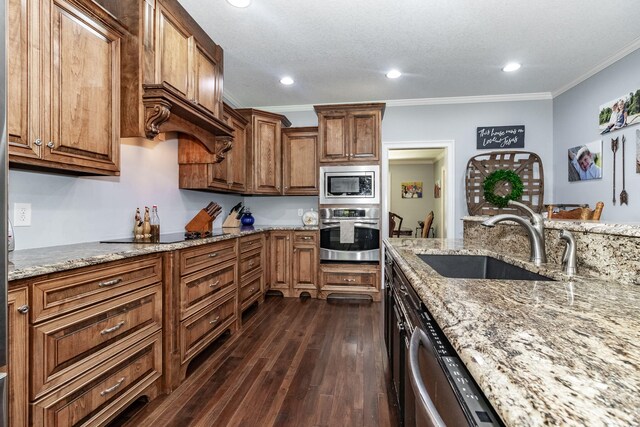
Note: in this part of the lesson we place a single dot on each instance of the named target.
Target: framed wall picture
(585, 162)
(412, 190)
(619, 112)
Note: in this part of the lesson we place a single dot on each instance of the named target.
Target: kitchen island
(543, 353)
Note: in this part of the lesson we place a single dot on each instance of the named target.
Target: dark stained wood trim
(351, 107)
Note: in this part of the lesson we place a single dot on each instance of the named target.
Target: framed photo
(637, 151)
(585, 162)
(620, 112)
(412, 190)
(436, 189)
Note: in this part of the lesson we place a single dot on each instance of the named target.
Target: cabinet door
(333, 135)
(281, 261)
(18, 357)
(85, 90)
(364, 136)
(267, 149)
(208, 82)
(305, 271)
(300, 162)
(173, 61)
(23, 83)
(237, 157)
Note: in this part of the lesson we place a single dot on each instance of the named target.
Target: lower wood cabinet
(350, 279)
(294, 263)
(18, 357)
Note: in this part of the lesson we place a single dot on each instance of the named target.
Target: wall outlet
(300, 212)
(22, 214)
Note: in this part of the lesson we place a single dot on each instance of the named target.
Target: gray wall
(411, 210)
(69, 209)
(575, 122)
(280, 210)
(458, 122)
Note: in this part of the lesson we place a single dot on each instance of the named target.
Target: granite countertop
(631, 229)
(544, 353)
(35, 262)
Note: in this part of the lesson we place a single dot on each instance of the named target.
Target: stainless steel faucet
(534, 227)
(569, 256)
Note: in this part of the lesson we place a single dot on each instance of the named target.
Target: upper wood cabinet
(58, 67)
(349, 133)
(264, 167)
(172, 73)
(300, 161)
(201, 170)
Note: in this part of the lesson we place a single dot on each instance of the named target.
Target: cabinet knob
(38, 142)
(50, 144)
(23, 309)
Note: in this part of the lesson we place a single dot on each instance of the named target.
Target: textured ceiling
(340, 50)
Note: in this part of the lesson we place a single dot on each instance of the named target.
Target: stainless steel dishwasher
(434, 387)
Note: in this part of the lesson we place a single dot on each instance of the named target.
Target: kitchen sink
(478, 267)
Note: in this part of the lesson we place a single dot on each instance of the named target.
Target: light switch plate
(22, 214)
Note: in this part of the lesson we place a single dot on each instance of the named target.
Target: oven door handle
(422, 396)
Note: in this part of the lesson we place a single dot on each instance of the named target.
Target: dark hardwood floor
(298, 363)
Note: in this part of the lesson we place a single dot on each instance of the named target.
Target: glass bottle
(155, 223)
(11, 241)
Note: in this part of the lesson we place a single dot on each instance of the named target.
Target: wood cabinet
(294, 262)
(64, 55)
(172, 73)
(251, 270)
(349, 133)
(96, 341)
(18, 357)
(300, 161)
(360, 279)
(264, 143)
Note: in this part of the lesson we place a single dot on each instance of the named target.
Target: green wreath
(501, 175)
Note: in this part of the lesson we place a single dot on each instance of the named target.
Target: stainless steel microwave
(350, 185)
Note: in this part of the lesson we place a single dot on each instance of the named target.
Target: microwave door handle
(422, 396)
(330, 222)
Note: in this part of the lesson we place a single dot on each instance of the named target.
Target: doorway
(417, 180)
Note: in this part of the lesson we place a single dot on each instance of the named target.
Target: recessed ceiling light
(393, 74)
(286, 81)
(511, 66)
(239, 3)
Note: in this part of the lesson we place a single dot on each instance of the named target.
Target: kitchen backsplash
(280, 210)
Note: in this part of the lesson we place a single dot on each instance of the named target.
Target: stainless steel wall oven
(350, 234)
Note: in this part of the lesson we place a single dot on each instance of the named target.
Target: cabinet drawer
(251, 242)
(66, 347)
(200, 289)
(206, 256)
(250, 262)
(93, 398)
(349, 279)
(71, 291)
(199, 330)
(305, 237)
(251, 288)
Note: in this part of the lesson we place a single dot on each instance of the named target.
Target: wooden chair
(427, 225)
(392, 224)
(581, 213)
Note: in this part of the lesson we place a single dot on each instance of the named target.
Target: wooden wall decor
(526, 164)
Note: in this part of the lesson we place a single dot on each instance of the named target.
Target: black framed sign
(497, 137)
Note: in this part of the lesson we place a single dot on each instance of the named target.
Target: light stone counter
(544, 353)
(35, 262)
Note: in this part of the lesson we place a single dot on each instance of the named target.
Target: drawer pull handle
(349, 280)
(110, 282)
(251, 263)
(251, 290)
(306, 238)
(113, 328)
(213, 285)
(213, 255)
(214, 321)
(112, 388)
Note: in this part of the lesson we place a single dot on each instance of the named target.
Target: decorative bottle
(247, 218)
(155, 223)
(11, 241)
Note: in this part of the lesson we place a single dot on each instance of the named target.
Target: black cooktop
(164, 239)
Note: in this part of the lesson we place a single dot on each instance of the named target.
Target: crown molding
(540, 96)
(231, 100)
(630, 48)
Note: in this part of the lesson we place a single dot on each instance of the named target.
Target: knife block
(231, 221)
(201, 223)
